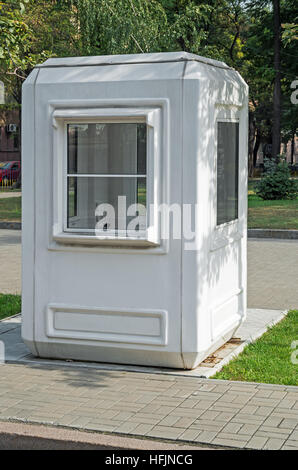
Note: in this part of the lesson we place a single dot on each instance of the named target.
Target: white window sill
(75, 239)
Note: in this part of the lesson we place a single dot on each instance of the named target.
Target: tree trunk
(256, 147)
(251, 143)
(277, 86)
(292, 148)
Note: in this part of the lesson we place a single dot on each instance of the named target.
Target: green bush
(276, 182)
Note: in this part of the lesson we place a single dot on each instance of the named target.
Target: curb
(11, 225)
(18, 434)
(280, 234)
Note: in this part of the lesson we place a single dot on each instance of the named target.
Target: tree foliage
(276, 182)
(31, 31)
(238, 32)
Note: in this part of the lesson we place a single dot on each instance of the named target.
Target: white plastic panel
(100, 324)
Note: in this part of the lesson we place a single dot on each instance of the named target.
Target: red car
(9, 172)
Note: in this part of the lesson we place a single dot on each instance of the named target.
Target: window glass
(106, 161)
(227, 172)
(107, 148)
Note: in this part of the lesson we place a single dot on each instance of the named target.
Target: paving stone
(233, 436)
(189, 403)
(294, 435)
(278, 394)
(274, 444)
(245, 418)
(287, 403)
(100, 427)
(152, 408)
(184, 412)
(206, 436)
(272, 421)
(184, 422)
(225, 409)
(79, 422)
(126, 427)
(190, 435)
(208, 425)
(288, 423)
(256, 442)
(264, 402)
(169, 420)
(249, 409)
(249, 429)
(229, 443)
(263, 393)
(210, 415)
(67, 420)
(165, 410)
(232, 428)
(293, 444)
(144, 420)
(280, 431)
(225, 416)
(203, 405)
(142, 429)
(165, 432)
(264, 411)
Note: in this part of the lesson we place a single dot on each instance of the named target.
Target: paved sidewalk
(10, 261)
(272, 274)
(213, 412)
(7, 194)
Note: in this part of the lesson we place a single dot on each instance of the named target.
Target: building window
(227, 171)
(105, 161)
(16, 140)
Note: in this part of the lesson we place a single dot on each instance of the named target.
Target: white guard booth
(134, 208)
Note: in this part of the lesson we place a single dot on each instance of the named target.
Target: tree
(14, 46)
(277, 81)
(32, 31)
(126, 27)
(241, 33)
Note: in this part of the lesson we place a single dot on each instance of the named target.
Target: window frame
(151, 116)
(229, 121)
(228, 232)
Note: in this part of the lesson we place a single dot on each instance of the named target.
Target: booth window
(227, 171)
(105, 161)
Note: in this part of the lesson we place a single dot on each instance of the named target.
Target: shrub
(276, 182)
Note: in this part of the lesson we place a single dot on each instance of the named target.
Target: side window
(227, 171)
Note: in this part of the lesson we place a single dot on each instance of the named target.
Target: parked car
(9, 172)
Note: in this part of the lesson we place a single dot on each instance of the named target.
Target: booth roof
(130, 59)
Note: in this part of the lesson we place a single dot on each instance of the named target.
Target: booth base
(137, 357)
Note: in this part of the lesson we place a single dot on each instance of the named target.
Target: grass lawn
(9, 305)
(271, 214)
(268, 360)
(261, 214)
(10, 209)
